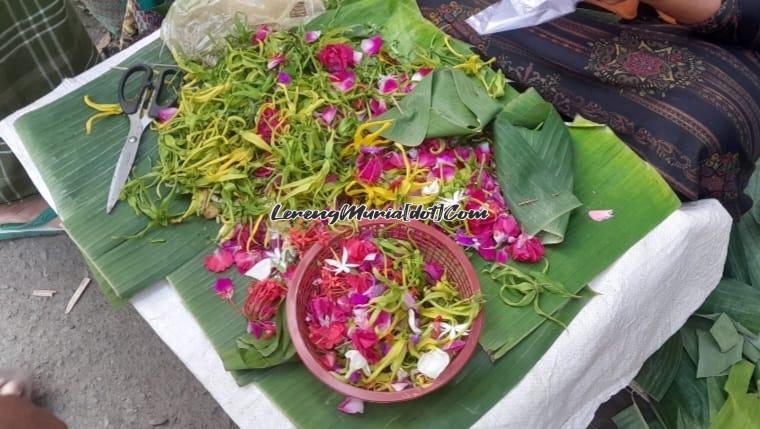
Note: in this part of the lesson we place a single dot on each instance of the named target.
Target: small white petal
(413, 322)
(357, 362)
(432, 363)
(261, 270)
(432, 189)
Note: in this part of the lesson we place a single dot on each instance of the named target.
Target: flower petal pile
(385, 319)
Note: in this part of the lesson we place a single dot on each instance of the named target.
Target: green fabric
(41, 43)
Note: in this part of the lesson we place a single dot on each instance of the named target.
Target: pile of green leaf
(708, 374)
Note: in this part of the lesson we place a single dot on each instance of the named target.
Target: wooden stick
(77, 294)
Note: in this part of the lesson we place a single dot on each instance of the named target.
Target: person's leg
(17, 410)
(41, 43)
(686, 11)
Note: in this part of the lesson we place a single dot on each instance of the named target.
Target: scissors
(141, 110)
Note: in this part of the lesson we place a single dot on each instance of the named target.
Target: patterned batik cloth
(685, 99)
(41, 43)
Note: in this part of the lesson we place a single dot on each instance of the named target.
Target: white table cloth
(643, 298)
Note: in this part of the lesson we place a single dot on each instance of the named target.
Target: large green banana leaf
(603, 167)
(78, 168)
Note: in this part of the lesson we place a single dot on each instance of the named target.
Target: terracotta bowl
(434, 246)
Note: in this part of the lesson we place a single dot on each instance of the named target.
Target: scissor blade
(126, 160)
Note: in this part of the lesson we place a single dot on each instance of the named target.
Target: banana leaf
(630, 418)
(445, 103)
(659, 371)
(535, 171)
(686, 404)
(739, 301)
(477, 388)
(77, 169)
(603, 165)
(741, 409)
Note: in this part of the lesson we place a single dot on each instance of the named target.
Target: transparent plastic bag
(513, 14)
(195, 29)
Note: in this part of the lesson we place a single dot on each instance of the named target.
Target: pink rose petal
(372, 46)
(329, 114)
(260, 35)
(421, 73)
(275, 61)
(601, 215)
(166, 114)
(343, 80)
(312, 36)
(351, 406)
(377, 107)
(387, 84)
(218, 261)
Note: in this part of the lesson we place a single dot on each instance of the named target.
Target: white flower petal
(261, 270)
(357, 362)
(432, 363)
(413, 322)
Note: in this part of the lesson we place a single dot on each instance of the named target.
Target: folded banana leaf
(445, 103)
(602, 166)
(535, 171)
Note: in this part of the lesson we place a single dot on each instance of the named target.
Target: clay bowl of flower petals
(385, 313)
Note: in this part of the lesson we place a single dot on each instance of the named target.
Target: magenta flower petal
(218, 261)
(351, 406)
(377, 107)
(433, 270)
(329, 114)
(383, 321)
(343, 80)
(505, 228)
(491, 254)
(312, 36)
(369, 168)
(372, 46)
(387, 84)
(275, 61)
(527, 248)
(284, 78)
(421, 73)
(465, 240)
(601, 215)
(224, 288)
(261, 33)
(358, 299)
(166, 114)
(244, 261)
(454, 346)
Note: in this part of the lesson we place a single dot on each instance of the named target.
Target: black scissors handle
(164, 80)
(130, 106)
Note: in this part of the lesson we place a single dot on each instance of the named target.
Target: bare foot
(14, 382)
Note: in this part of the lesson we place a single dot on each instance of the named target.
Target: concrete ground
(95, 367)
